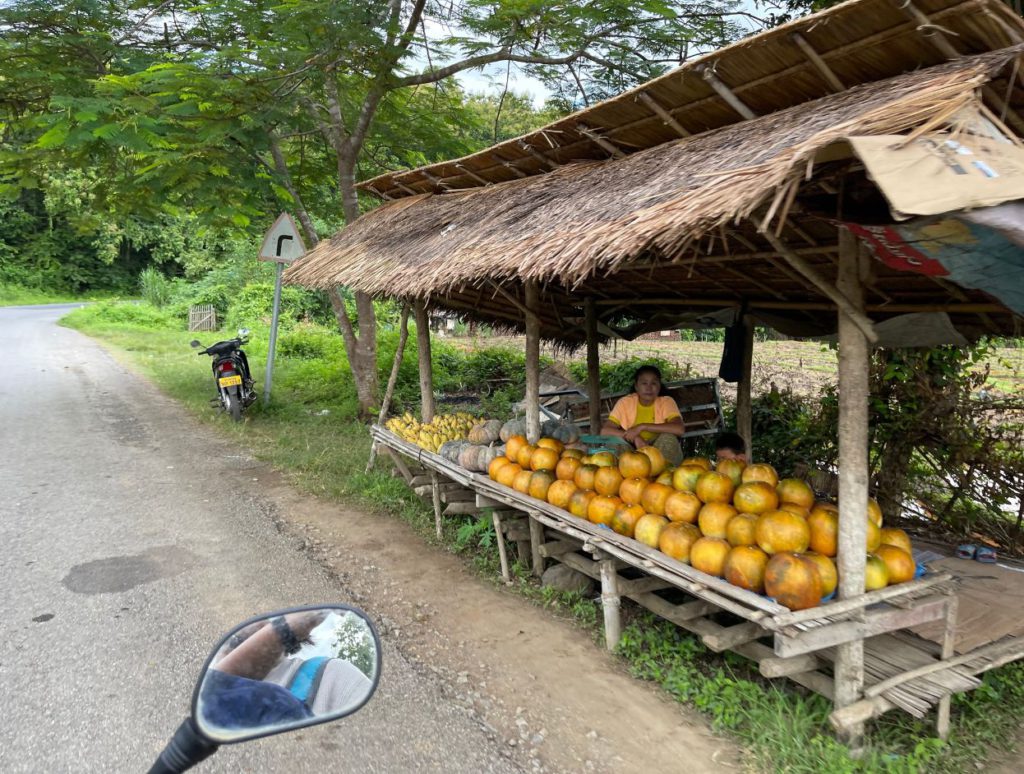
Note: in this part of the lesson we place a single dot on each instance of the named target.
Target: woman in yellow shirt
(648, 417)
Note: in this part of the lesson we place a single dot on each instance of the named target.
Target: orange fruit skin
(654, 497)
(872, 536)
(507, 474)
(827, 571)
(683, 507)
(876, 573)
(607, 481)
(513, 445)
(755, 497)
(700, 462)
(874, 511)
(799, 510)
(576, 454)
(567, 467)
(579, 502)
(632, 489)
(543, 459)
(560, 492)
(733, 469)
(551, 443)
(741, 530)
(524, 455)
(714, 519)
(793, 580)
(898, 562)
(496, 464)
(601, 509)
(685, 477)
(540, 482)
(625, 518)
(709, 554)
(782, 531)
(761, 471)
(635, 465)
(666, 476)
(824, 526)
(796, 491)
(585, 476)
(522, 481)
(658, 462)
(677, 539)
(745, 566)
(603, 459)
(648, 529)
(714, 487)
(896, 537)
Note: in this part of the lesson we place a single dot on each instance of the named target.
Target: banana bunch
(449, 427)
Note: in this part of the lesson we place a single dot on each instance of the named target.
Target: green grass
(784, 728)
(16, 295)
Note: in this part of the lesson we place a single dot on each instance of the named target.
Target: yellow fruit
(648, 529)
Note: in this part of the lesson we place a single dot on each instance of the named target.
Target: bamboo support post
(403, 334)
(593, 366)
(948, 642)
(502, 554)
(611, 603)
(436, 495)
(536, 541)
(426, 369)
(537, 155)
(853, 472)
(600, 141)
(744, 406)
(403, 187)
(471, 174)
(661, 113)
(532, 297)
(815, 58)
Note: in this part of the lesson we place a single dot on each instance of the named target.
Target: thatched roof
(850, 44)
(671, 229)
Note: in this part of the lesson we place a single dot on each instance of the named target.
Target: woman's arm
(674, 427)
(612, 428)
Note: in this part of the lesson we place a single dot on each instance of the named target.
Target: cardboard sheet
(991, 604)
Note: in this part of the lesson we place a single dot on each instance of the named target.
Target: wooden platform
(901, 670)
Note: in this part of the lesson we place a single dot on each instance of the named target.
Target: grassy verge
(310, 433)
(16, 295)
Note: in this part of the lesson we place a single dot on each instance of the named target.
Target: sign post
(282, 245)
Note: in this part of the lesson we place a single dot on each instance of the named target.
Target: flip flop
(986, 555)
(966, 551)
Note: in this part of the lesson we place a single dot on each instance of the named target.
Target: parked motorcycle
(278, 672)
(235, 389)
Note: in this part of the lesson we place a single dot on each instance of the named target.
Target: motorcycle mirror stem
(277, 672)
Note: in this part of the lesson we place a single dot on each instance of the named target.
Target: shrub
(122, 313)
(155, 288)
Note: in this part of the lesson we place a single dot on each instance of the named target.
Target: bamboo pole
(853, 473)
(426, 369)
(611, 604)
(403, 335)
(593, 366)
(744, 407)
(532, 297)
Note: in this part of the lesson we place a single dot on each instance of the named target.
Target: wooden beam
(537, 155)
(514, 170)
(818, 62)
(402, 186)
(594, 137)
(436, 181)
(727, 94)
(744, 406)
(663, 114)
(532, 361)
(854, 363)
(426, 369)
(593, 366)
(471, 174)
(849, 309)
(929, 29)
(403, 335)
(611, 604)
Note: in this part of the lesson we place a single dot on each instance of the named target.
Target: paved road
(128, 543)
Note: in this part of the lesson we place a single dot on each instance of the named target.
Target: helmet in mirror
(287, 670)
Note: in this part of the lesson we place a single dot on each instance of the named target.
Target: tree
(247, 103)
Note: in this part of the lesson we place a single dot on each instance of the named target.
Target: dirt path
(555, 697)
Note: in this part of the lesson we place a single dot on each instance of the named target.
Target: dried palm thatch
(849, 44)
(590, 219)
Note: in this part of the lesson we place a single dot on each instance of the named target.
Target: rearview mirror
(287, 670)
(194, 343)
(243, 332)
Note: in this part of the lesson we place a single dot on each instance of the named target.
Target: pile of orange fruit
(735, 521)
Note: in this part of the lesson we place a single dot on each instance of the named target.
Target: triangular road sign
(283, 243)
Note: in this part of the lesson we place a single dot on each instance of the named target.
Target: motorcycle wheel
(234, 405)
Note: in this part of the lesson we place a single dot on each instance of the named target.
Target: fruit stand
(744, 188)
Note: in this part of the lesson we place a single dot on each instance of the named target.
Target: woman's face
(647, 387)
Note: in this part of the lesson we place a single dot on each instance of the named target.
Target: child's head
(730, 446)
